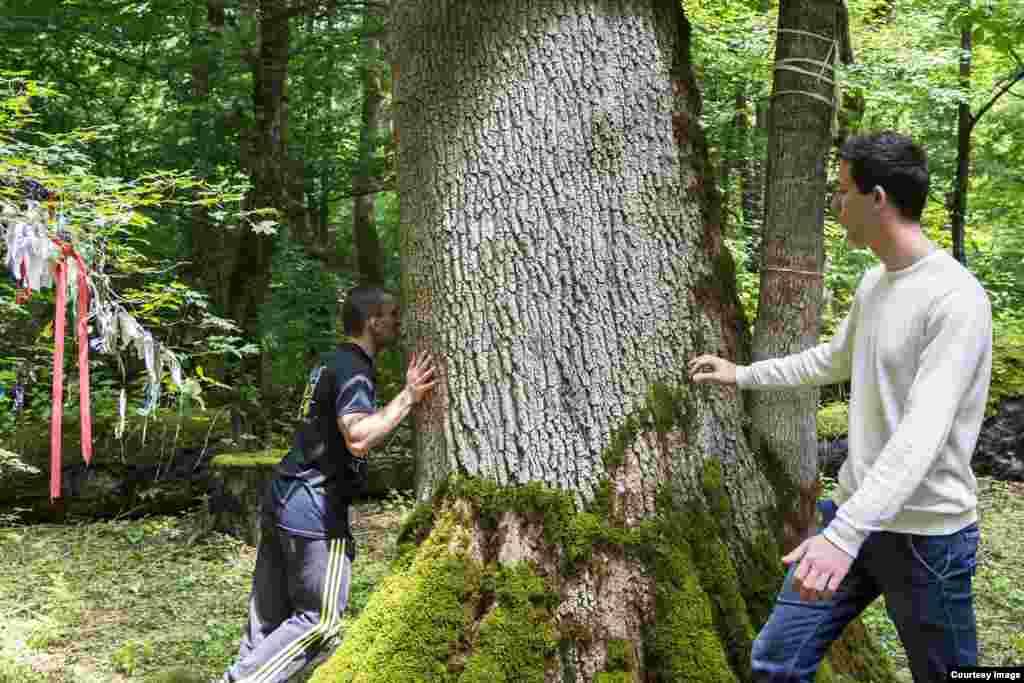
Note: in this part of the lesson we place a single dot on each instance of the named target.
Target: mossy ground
(142, 435)
(267, 458)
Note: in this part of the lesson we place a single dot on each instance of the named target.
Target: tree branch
(386, 187)
(1019, 76)
(325, 7)
(1013, 53)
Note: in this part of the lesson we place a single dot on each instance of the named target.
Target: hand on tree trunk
(709, 368)
(419, 377)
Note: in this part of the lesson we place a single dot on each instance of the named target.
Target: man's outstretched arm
(363, 431)
(823, 364)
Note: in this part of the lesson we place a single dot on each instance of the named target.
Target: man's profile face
(386, 324)
(853, 208)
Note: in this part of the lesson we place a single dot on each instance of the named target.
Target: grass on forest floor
(130, 601)
(135, 601)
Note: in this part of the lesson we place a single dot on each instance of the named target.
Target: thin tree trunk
(792, 254)
(562, 259)
(369, 258)
(752, 187)
(212, 251)
(963, 143)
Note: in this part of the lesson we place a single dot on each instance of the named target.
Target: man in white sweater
(917, 348)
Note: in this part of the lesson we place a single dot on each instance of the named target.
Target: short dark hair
(893, 162)
(359, 304)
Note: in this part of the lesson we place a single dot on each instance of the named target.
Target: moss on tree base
(496, 591)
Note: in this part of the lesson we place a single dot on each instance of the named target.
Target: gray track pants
(299, 590)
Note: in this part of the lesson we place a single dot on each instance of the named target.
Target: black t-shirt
(310, 493)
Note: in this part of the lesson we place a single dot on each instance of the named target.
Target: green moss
(614, 677)
(762, 576)
(267, 458)
(407, 629)
(683, 643)
(620, 656)
(417, 525)
(517, 638)
(665, 404)
(621, 439)
(857, 655)
(833, 421)
(414, 626)
(664, 409)
(1007, 370)
(32, 439)
(714, 491)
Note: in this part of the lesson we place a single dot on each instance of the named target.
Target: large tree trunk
(590, 511)
(369, 259)
(792, 251)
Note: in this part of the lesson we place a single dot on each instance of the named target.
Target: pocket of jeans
(931, 555)
(941, 557)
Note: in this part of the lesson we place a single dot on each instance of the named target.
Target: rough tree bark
(590, 513)
(792, 251)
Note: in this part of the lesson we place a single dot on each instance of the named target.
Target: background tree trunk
(963, 142)
(792, 252)
(266, 160)
(369, 259)
(212, 250)
(562, 259)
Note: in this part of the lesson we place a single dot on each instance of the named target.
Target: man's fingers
(700, 361)
(821, 582)
(795, 554)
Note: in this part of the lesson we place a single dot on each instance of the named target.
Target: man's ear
(879, 196)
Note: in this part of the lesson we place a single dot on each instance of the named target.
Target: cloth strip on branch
(39, 260)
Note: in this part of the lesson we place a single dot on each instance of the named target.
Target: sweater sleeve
(825, 363)
(957, 336)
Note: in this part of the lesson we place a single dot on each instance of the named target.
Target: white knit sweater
(917, 346)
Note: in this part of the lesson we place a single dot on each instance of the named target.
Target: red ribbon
(25, 293)
(61, 273)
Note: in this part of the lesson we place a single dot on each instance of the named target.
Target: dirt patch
(375, 531)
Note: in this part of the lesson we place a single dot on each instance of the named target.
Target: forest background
(242, 185)
(120, 92)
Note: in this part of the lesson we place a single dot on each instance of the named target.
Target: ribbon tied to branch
(61, 267)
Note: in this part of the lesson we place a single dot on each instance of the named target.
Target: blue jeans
(926, 581)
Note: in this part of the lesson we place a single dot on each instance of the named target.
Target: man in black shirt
(303, 566)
